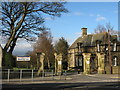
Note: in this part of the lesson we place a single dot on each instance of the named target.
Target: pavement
(70, 82)
(68, 78)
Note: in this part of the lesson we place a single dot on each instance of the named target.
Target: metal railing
(25, 75)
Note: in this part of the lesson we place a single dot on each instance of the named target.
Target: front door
(79, 62)
(93, 64)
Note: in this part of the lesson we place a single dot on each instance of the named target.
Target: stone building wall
(96, 45)
(71, 58)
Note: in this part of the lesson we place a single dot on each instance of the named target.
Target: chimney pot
(84, 31)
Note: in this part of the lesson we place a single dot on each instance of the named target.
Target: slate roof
(90, 39)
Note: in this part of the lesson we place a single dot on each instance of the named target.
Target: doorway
(93, 64)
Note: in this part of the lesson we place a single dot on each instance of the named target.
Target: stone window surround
(115, 61)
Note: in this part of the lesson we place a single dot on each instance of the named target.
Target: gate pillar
(101, 63)
(86, 59)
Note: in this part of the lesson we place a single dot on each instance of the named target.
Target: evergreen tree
(62, 47)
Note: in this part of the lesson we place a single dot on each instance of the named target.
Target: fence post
(65, 74)
(20, 75)
(32, 74)
(43, 74)
(59, 75)
(8, 75)
(52, 74)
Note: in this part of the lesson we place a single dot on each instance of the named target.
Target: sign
(59, 62)
(88, 62)
(25, 58)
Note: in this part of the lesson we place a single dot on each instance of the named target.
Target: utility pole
(109, 51)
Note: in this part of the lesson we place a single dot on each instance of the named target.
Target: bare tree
(33, 58)
(101, 28)
(44, 45)
(24, 19)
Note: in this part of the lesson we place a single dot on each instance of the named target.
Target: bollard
(20, 75)
(32, 74)
(8, 75)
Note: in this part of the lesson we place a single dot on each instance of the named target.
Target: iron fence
(31, 74)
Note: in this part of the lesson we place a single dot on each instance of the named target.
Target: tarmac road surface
(74, 82)
(64, 86)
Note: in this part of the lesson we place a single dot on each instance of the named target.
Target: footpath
(67, 79)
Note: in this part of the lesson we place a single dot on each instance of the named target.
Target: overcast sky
(81, 14)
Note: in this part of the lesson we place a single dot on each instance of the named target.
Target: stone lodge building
(95, 53)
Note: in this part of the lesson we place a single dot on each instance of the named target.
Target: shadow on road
(64, 86)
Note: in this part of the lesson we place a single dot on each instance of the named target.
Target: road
(64, 86)
(75, 82)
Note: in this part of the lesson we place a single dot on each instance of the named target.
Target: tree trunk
(9, 42)
(14, 32)
(48, 63)
(13, 45)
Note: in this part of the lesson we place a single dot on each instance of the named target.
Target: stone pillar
(58, 67)
(86, 58)
(55, 54)
(42, 56)
(0, 57)
(41, 68)
(101, 63)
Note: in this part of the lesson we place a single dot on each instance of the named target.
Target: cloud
(78, 33)
(78, 13)
(55, 39)
(91, 15)
(100, 18)
(98, 15)
(116, 11)
(22, 48)
(69, 40)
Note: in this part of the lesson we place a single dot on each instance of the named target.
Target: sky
(88, 14)
(81, 14)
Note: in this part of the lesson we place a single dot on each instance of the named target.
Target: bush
(9, 61)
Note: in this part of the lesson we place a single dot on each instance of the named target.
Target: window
(115, 63)
(78, 61)
(79, 46)
(114, 48)
(98, 47)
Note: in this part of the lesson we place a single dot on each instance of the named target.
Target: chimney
(84, 31)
